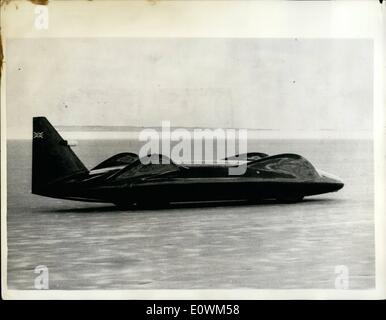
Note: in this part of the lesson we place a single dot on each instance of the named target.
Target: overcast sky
(287, 84)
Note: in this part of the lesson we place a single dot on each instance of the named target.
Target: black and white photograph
(161, 162)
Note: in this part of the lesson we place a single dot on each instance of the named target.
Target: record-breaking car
(126, 180)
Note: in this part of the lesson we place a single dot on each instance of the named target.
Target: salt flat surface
(266, 246)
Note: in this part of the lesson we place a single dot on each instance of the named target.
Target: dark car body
(125, 179)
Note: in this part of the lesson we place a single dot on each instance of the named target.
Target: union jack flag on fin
(38, 135)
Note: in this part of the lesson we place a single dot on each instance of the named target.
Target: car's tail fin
(52, 158)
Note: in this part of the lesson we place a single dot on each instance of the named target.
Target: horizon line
(251, 134)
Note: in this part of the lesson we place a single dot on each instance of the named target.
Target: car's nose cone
(333, 180)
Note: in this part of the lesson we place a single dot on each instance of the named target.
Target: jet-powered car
(126, 180)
